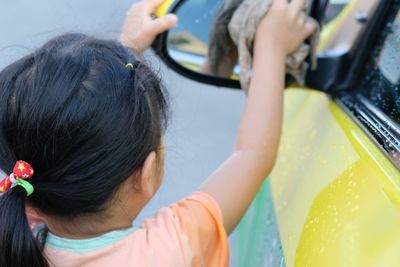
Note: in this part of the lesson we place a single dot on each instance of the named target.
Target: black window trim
(376, 124)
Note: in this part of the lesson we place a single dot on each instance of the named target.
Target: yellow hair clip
(129, 65)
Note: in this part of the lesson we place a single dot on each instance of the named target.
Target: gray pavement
(204, 118)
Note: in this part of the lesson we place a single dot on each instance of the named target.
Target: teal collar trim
(87, 245)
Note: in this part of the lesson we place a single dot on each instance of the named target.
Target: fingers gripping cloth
(21, 172)
(242, 28)
(240, 19)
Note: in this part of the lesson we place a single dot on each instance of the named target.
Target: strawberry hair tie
(21, 172)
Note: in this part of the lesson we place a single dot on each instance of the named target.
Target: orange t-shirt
(187, 233)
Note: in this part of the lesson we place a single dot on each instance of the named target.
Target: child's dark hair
(85, 122)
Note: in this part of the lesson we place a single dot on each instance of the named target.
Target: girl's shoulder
(188, 231)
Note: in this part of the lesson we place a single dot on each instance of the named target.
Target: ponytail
(18, 246)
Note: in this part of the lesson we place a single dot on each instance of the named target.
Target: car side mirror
(186, 47)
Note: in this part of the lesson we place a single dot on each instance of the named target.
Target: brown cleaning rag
(243, 17)
(242, 29)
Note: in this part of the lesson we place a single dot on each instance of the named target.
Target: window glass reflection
(381, 77)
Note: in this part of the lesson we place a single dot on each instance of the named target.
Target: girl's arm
(236, 182)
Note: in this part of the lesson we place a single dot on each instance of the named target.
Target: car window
(381, 77)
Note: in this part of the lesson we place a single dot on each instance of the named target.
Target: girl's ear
(148, 182)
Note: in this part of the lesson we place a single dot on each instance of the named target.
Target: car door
(336, 185)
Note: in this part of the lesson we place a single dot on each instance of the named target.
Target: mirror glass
(189, 42)
(201, 42)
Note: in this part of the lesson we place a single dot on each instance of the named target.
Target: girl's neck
(86, 226)
(118, 216)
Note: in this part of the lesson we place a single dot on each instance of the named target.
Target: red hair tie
(21, 172)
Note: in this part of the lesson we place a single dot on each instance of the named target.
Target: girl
(86, 117)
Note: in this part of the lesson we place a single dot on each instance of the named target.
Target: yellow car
(333, 198)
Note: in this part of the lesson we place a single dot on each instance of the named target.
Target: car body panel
(337, 199)
(259, 242)
(164, 7)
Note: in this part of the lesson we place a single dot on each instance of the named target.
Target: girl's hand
(285, 26)
(140, 28)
